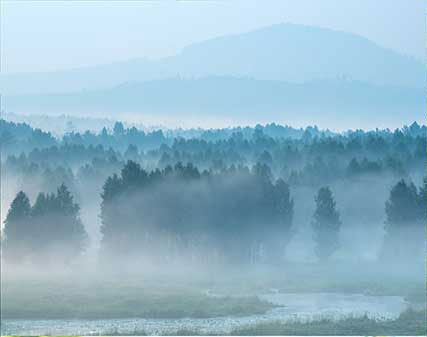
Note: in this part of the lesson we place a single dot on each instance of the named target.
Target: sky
(50, 35)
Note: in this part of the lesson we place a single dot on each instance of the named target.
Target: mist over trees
(234, 215)
(405, 222)
(17, 240)
(48, 231)
(326, 224)
(236, 195)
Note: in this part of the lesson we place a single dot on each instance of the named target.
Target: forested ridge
(233, 195)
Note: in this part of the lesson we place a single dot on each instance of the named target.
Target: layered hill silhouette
(237, 99)
(287, 73)
(283, 52)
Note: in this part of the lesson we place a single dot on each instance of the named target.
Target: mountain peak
(283, 52)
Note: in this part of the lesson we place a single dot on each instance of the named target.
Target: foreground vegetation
(222, 202)
(42, 300)
(409, 323)
(186, 295)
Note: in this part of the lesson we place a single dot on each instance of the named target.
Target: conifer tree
(405, 222)
(16, 245)
(326, 224)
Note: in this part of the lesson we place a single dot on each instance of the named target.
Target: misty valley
(111, 228)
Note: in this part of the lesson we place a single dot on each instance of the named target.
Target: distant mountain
(283, 52)
(326, 103)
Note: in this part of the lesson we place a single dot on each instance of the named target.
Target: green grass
(136, 296)
(409, 323)
(50, 300)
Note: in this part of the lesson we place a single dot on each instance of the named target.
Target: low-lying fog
(211, 232)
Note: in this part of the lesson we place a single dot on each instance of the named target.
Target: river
(300, 307)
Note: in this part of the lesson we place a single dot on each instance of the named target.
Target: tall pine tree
(51, 230)
(405, 223)
(326, 224)
(16, 241)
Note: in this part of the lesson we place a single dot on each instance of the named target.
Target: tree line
(308, 158)
(236, 215)
(273, 144)
(48, 231)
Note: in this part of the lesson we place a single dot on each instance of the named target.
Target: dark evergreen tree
(118, 129)
(71, 234)
(326, 224)
(401, 207)
(236, 211)
(405, 223)
(281, 233)
(17, 230)
(51, 230)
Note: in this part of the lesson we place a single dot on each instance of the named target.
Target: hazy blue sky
(39, 36)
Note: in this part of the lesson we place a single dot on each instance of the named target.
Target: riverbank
(287, 300)
(410, 323)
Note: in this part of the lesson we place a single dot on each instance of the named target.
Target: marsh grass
(26, 300)
(409, 323)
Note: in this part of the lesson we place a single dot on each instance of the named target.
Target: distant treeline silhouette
(300, 157)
